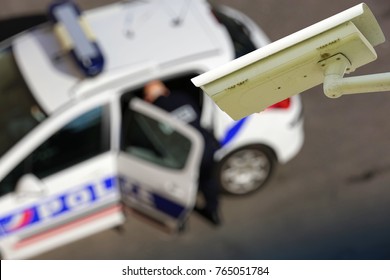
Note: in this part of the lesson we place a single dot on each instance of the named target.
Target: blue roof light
(75, 37)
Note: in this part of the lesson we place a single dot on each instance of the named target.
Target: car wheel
(246, 170)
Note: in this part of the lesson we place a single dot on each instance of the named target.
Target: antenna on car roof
(177, 19)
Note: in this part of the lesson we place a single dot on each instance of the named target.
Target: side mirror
(29, 185)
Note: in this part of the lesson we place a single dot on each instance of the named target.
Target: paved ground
(331, 202)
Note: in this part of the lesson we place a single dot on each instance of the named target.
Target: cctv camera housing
(295, 63)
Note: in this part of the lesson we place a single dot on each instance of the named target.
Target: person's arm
(154, 90)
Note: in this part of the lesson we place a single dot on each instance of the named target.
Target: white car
(77, 146)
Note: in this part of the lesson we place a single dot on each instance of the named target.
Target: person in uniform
(184, 107)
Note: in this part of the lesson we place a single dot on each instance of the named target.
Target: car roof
(136, 38)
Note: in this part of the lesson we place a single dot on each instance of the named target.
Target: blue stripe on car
(167, 206)
(232, 131)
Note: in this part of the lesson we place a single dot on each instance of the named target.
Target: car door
(158, 164)
(64, 189)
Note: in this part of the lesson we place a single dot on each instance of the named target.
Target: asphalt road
(331, 202)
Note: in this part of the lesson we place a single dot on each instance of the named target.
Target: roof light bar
(75, 37)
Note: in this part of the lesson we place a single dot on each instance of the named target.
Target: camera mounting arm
(336, 85)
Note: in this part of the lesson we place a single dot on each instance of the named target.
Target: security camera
(321, 53)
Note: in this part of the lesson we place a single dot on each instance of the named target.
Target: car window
(81, 139)
(19, 112)
(154, 141)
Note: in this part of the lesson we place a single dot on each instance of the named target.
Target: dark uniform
(185, 108)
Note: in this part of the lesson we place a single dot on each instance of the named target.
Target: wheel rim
(245, 171)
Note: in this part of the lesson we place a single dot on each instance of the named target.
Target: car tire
(246, 170)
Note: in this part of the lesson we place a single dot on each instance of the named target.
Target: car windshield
(19, 112)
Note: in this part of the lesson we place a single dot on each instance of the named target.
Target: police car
(77, 145)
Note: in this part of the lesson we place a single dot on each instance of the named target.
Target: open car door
(158, 164)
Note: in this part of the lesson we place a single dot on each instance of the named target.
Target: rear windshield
(239, 34)
(19, 112)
